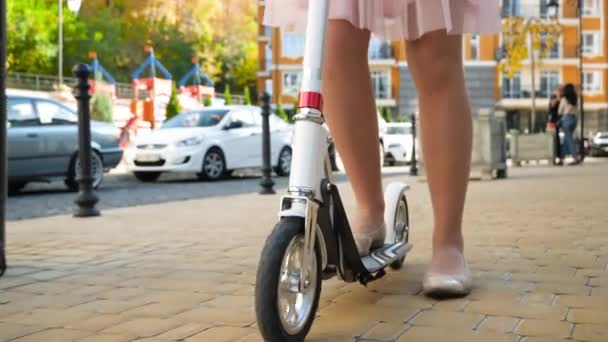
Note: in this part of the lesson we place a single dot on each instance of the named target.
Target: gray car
(43, 143)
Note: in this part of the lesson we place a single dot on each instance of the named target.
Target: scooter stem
(314, 46)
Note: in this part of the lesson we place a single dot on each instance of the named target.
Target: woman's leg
(350, 111)
(435, 62)
(568, 136)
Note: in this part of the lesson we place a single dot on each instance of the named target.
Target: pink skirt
(395, 19)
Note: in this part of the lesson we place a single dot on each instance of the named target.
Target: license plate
(148, 158)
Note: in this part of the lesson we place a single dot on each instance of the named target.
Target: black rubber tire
(203, 176)
(279, 170)
(501, 173)
(398, 264)
(70, 181)
(15, 187)
(147, 177)
(267, 282)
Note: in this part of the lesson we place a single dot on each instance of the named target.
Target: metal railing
(19, 80)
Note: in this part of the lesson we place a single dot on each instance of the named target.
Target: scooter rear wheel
(284, 313)
(397, 218)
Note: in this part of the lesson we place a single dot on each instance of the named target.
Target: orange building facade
(280, 59)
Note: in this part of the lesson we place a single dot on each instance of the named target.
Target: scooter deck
(382, 257)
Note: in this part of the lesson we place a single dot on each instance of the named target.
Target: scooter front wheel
(397, 218)
(284, 311)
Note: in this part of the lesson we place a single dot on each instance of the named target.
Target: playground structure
(150, 93)
(202, 85)
(97, 83)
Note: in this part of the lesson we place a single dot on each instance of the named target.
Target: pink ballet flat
(370, 241)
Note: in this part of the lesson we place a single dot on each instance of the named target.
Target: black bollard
(414, 164)
(3, 148)
(267, 183)
(86, 198)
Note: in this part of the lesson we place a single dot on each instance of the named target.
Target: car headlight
(189, 142)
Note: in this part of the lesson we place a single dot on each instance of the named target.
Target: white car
(398, 142)
(211, 142)
(336, 161)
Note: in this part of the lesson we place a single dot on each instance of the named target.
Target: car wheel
(147, 177)
(75, 170)
(284, 165)
(381, 155)
(15, 187)
(214, 165)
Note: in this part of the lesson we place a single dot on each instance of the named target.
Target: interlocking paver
(159, 273)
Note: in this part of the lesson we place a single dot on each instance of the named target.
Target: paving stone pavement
(537, 242)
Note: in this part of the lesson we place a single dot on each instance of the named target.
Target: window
(381, 84)
(20, 113)
(380, 49)
(268, 55)
(511, 87)
(292, 81)
(244, 116)
(474, 47)
(592, 81)
(293, 45)
(591, 8)
(511, 8)
(548, 82)
(591, 43)
(51, 113)
(269, 86)
(554, 53)
(204, 118)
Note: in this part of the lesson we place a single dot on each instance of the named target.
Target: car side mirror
(234, 124)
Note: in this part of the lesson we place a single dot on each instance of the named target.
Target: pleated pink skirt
(394, 19)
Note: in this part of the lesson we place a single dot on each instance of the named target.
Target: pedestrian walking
(568, 113)
(552, 124)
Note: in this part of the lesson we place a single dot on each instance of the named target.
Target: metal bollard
(414, 164)
(86, 198)
(3, 140)
(266, 183)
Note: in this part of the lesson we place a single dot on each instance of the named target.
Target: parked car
(43, 143)
(598, 145)
(399, 142)
(334, 157)
(211, 142)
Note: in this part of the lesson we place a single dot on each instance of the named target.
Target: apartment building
(281, 58)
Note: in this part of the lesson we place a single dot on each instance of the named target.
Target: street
(121, 190)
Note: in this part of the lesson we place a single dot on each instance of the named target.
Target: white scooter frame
(313, 240)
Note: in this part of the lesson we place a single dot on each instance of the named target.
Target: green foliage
(247, 96)
(173, 107)
(207, 101)
(281, 113)
(227, 96)
(387, 114)
(101, 107)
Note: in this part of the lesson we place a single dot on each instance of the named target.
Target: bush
(281, 113)
(101, 107)
(387, 114)
(173, 107)
(247, 95)
(227, 96)
(207, 101)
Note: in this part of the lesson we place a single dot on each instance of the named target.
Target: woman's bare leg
(436, 65)
(350, 111)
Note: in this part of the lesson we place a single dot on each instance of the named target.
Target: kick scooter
(313, 240)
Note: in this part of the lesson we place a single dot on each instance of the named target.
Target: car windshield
(603, 136)
(204, 118)
(399, 130)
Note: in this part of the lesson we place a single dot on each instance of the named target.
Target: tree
(207, 102)
(281, 113)
(227, 96)
(247, 96)
(173, 107)
(101, 107)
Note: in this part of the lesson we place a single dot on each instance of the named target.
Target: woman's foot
(369, 232)
(448, 275)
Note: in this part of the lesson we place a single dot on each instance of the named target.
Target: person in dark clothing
(553, 123)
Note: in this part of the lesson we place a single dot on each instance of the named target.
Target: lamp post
(3, 117)
(74, 6)
(554, 6)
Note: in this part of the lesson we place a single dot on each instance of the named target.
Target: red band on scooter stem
(309, 99)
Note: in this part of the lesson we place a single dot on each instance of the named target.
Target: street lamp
(74, 6)
(553, 5)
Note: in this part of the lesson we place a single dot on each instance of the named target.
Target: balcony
(380, 51)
